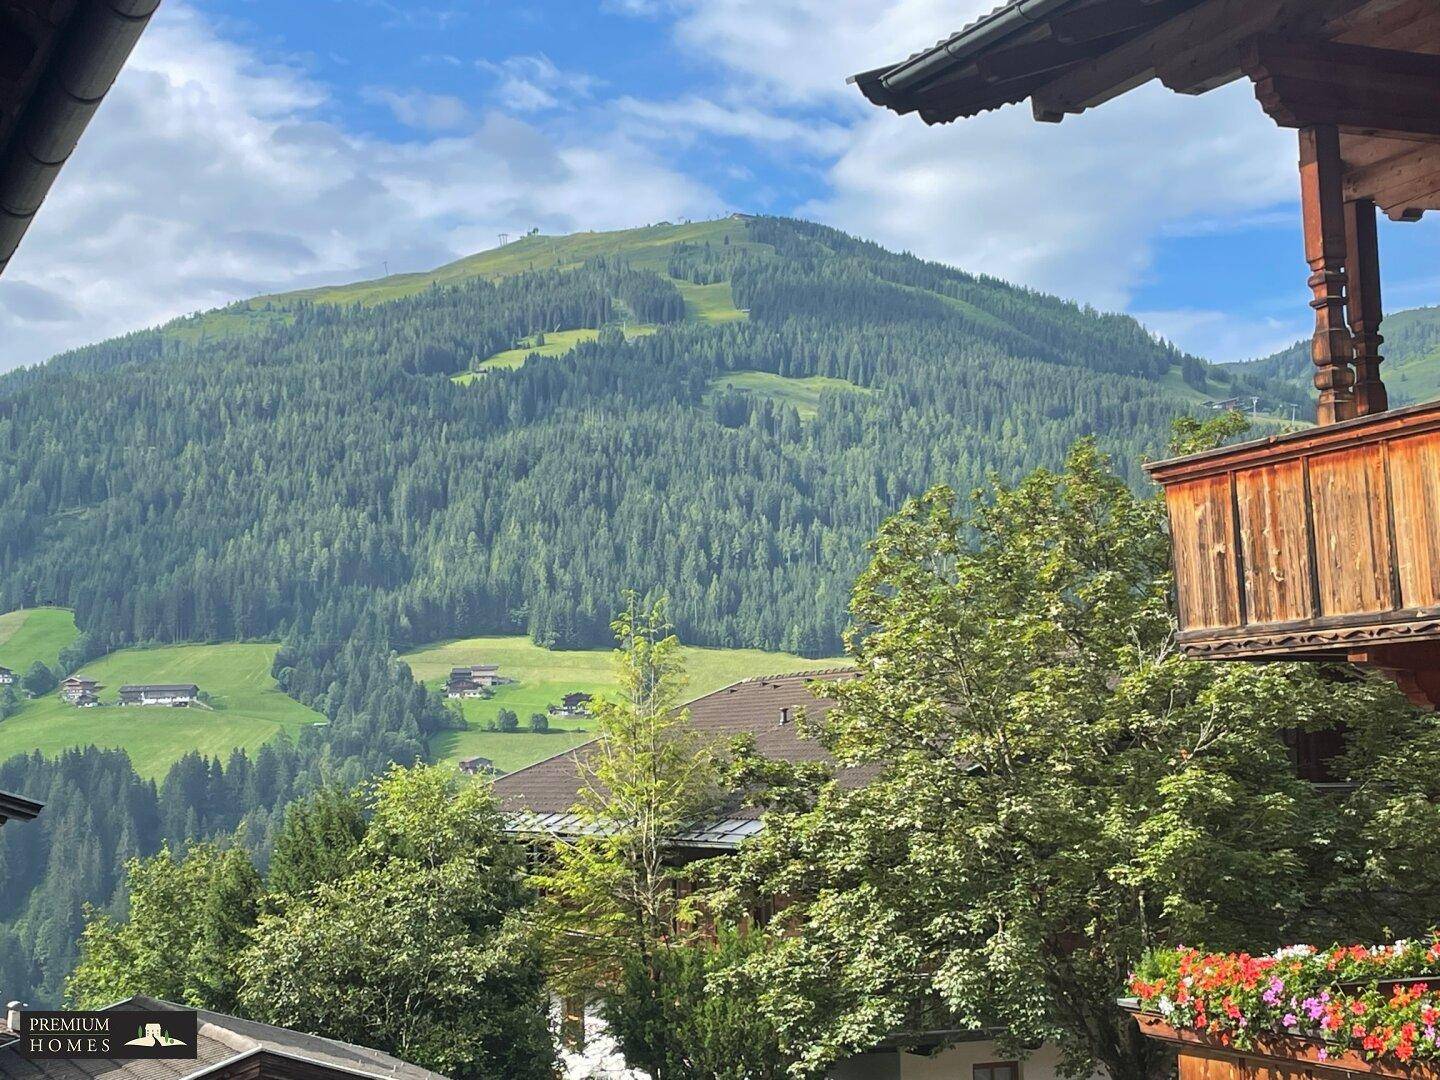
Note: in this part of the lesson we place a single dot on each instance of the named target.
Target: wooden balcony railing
(1320, 544)
(1202, 1057)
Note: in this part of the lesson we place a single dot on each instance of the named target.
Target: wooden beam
(1322, 206)
(1195, 49)
(1354, 87)
(1362, 270)
(1392, 173)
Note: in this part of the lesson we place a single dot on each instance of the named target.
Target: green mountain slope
(1411, 350)
(299, 463)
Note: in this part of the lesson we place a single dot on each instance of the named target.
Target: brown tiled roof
(750, 707)
(223, 1040)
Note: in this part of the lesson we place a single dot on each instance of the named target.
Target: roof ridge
(797, 675)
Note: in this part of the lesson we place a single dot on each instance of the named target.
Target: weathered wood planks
(1324, 541)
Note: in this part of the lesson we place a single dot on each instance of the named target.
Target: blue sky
(260, 145)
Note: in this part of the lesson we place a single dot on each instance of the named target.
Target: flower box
(1350, 1009)
(1206, 1057)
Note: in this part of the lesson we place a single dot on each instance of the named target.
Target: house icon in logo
(155, 1035)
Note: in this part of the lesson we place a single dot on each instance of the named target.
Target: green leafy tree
(317, 841)
(1060, 790)
(703, 1023)
(9, 702)
(539, 723)
(187, 923)
(422, 949)
(39, 679)
(506, 720)
(611, 890)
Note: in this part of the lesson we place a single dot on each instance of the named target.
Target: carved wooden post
(1362, 267)
(1323, 202)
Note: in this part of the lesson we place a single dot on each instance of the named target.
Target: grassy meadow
(542, 677)
(802, 393)
(31, 634)
(247, 708)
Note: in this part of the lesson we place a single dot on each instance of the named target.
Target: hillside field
(543, 677)
(247, 709)
(32, 634)
(802, 394)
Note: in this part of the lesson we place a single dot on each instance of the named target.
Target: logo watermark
(118, 1035)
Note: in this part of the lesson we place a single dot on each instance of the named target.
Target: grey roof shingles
(223, 1039)
(541, 798)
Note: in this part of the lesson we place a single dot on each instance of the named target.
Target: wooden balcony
(1202, 1057)
(1322, 544)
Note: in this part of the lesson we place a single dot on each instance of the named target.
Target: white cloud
(209, 176)
(1074, 209)
(803, 50)
(532, 83)
(694, 117)
(420, 110)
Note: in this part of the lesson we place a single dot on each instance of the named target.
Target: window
(997, 1070)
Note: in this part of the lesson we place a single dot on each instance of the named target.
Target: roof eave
(18, 808)
(887, 86)
(93, 48)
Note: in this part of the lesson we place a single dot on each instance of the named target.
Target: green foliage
(421, 949)
(539, 723)
(689, 1012)
(9, 702)
(39, 679)
(1059, 790)
(316, 844)
(187, 922)
(610, 889)
(1189, 435)
(407, 935)
(507, 721)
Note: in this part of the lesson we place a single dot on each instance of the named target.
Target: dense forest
(239, 486)
(308, 471)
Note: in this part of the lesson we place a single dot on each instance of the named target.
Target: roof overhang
(18, 808)
(57, 63)
(1370, 69)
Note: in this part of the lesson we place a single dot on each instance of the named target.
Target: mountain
(722, 411)
(1412, 359)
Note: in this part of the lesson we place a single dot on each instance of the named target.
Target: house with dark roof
(229, 1049)
(174, 695)
(478, 766)
(541, 798)
(7, 677)
(73, 688)
(461, 685)
(575, 704)
(17, 808)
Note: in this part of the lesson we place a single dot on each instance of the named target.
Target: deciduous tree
(1059, 789)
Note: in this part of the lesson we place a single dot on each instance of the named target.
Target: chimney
(785, 715)
(12, 1014)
